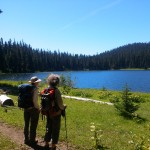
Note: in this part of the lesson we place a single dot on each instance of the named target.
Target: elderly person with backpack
(28, 100)
(53, 115)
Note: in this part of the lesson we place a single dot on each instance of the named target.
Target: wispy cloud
(106, 7)
(91, 14)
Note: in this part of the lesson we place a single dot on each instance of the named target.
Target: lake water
(137, 80)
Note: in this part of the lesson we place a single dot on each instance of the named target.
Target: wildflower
(99, 137)
(92, 128)
(130, 142)
(148, 126)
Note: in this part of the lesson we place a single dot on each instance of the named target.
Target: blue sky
(75, 26)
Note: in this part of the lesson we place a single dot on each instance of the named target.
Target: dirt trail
(16, 136)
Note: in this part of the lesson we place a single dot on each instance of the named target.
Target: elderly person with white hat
(31, 115)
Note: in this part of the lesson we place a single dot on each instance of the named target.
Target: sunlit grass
(6, 143)
(118, 133)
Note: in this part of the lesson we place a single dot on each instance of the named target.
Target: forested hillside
(17, 57)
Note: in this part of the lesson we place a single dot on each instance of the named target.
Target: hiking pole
(66, 128)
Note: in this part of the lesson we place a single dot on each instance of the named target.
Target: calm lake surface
(137, 80)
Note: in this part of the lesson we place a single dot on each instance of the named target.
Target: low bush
(128, 104)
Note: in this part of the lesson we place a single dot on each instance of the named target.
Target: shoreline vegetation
(109, 129)
(78, 70)
(123, 69)
(134, 69)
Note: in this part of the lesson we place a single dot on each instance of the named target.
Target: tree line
(19, 57)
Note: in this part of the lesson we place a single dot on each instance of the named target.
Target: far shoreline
(123, 69)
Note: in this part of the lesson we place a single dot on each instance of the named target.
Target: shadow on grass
(100, 148)
(138, 119)
(9, 89)
(38, 147)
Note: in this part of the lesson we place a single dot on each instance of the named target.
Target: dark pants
(52, 129)
(31, 117)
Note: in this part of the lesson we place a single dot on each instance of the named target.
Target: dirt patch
(16, 136)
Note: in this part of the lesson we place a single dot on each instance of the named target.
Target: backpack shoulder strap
(52, 90)
(33, 88)
(44, 91)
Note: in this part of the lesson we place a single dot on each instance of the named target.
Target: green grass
(118, 133)
(6, 143)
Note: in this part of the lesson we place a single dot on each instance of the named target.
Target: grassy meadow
(111, 131)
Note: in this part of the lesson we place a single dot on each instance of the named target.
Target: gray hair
(53, 79)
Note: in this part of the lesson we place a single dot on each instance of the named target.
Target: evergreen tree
(20, 57)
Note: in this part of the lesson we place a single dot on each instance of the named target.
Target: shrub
(104, 94)
(66, 83)
(128, 103)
